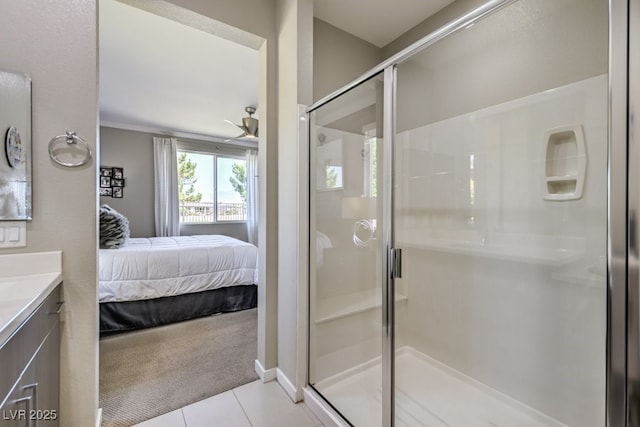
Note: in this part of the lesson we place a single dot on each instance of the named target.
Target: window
(211, 188)
(370, 156)
(329, 160)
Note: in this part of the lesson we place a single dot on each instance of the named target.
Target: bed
(148, 282)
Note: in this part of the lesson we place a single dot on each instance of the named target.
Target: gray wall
(63, 66)
(444, 16)
(133, 151)
(338, 58)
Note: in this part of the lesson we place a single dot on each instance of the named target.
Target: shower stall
(471, 239)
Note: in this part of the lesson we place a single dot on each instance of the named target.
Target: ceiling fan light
(250, 125)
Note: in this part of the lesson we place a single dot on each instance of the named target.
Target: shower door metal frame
(625, 94)
(388, 287)
(618, 224)
(623, 219)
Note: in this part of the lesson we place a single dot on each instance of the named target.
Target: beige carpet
(150, 372)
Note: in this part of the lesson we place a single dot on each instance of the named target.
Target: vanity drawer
(18, 350)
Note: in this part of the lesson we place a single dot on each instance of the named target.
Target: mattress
(146, 268)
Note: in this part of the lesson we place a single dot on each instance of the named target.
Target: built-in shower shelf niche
(341, 306)
(565, 163)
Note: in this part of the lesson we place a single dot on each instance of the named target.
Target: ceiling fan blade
(249, 126)
(244, 130)
(235, 124)
(242, 135)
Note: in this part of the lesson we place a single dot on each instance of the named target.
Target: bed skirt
(131, 315)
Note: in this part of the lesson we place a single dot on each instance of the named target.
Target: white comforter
(146, 268)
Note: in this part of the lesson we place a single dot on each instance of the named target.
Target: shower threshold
(428, 393)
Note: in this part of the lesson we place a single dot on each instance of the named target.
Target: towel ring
(70, 138)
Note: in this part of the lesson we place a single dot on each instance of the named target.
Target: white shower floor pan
(429, 394)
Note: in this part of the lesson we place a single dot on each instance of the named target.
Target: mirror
(15, 150)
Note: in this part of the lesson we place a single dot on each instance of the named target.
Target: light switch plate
(13, 234)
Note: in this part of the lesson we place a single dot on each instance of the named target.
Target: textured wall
(61, 60)
(338, 58)
(295, 56)
(132, 151)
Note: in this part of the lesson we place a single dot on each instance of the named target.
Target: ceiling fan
(249, 126)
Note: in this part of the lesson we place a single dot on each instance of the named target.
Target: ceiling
(150, 82)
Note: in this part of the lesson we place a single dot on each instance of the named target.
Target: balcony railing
(203, 212)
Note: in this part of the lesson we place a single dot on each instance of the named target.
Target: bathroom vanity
(30, 307)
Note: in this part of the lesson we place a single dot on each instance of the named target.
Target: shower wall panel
(502, 285)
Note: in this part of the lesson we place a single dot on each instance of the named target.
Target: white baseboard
(99, 418)
(322, 410)
(288, 386)
(265, 375)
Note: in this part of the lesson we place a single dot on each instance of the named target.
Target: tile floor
(252, 405)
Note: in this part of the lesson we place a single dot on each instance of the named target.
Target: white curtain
(252, 196)
(166, 187)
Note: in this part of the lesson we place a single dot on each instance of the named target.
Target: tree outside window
(211, 188)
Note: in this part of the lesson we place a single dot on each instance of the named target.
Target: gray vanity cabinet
(30, 390)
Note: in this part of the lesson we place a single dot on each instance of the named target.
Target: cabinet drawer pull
(34, 393)
(59, 305)
(27, 402)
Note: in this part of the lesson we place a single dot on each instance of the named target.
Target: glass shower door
(500, 180)
(345, 324)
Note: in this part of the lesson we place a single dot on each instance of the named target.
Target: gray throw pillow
(114, 228)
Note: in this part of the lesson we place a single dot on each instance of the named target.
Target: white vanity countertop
(25, 282)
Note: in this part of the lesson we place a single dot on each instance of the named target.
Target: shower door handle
(396, 263)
